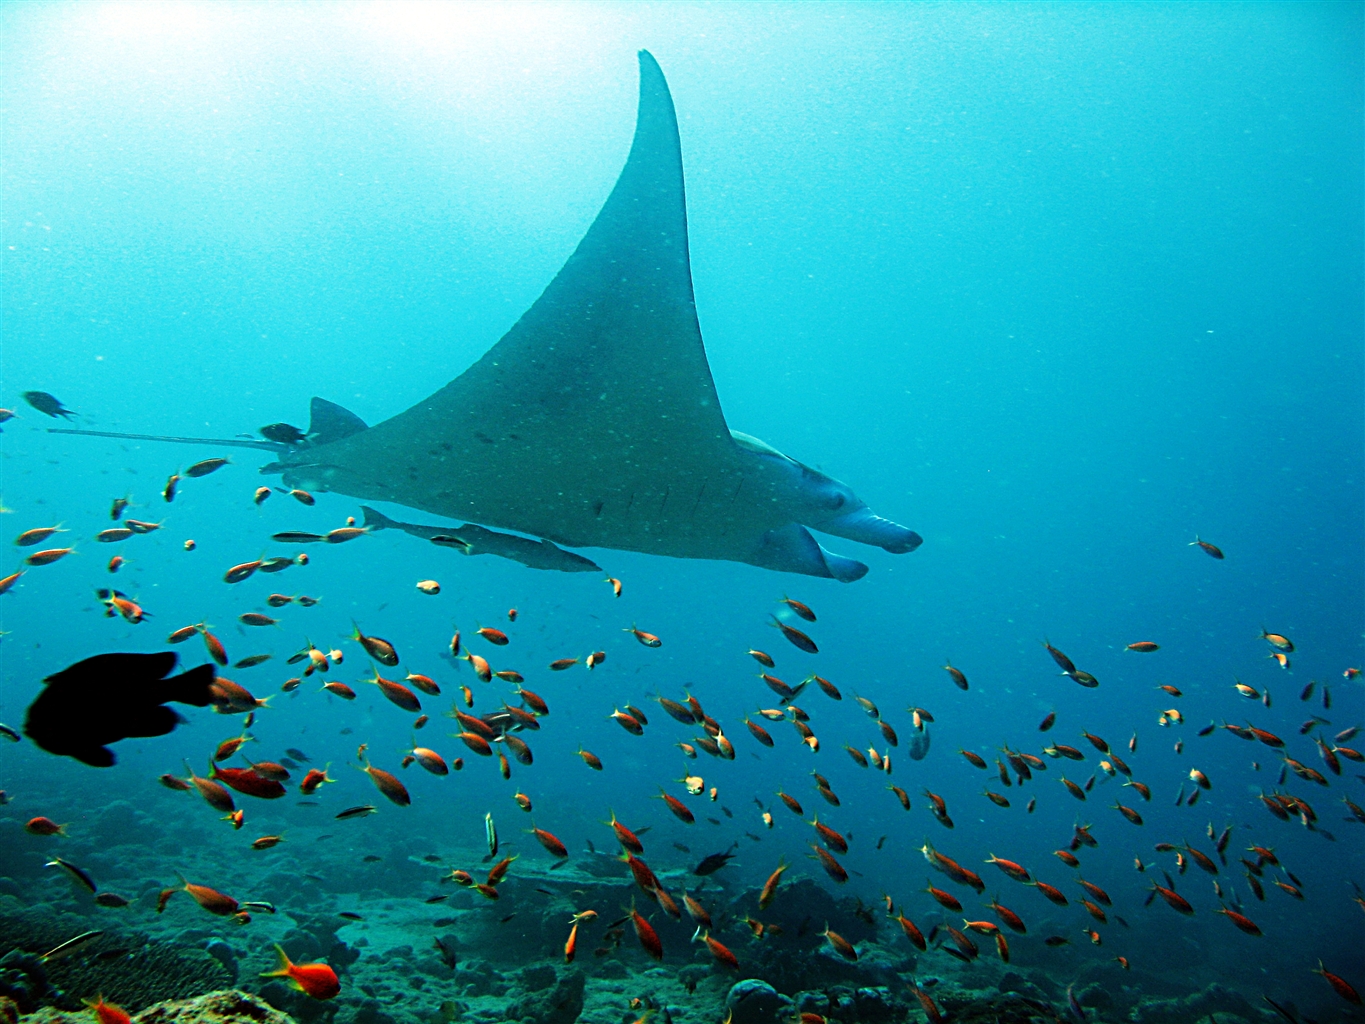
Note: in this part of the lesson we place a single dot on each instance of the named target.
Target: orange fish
(376, 647)
(1143, 647)
(840, 944)
(499, 870)
(107, 1013)
(648, 639)
(397, 693)
(212, 900)
(796, 638)
(956, 673)
(770, 886)
(720, 952)
(424, 683)
(41, 826)
(592, 760)
(49, 556)
(571, 945)
(316, 980)
(340, 689)
(1339, 985)
(551, 842)
(241, 571)
(625, 836)
(493, 636)
(213, 793)
(247, 782)
(945, 899)
(832, 867)
(679, 809)
(560, 664)
(430, 760)
(388, 784)
(344, 533)
(313, 780)
(214, 646)
(1207, 548)
(476, 743)
(533, 700)
(649, 938)
(615, 585)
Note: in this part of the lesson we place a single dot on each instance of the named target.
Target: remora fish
(478, 540)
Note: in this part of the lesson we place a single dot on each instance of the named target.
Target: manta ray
(593, 422)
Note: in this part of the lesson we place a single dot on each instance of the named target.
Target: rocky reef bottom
(749, 1001)
(228, 1006)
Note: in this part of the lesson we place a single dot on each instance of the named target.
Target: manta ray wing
(594, 421)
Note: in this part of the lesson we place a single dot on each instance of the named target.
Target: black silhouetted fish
(48, 404)
(715, 862)
(112, 697)
(919, 745)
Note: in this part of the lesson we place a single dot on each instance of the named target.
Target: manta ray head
(823, 503)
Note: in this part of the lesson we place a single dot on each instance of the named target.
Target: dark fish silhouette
(112, 697)
(919, 745)
(283, 433)
(715, 862)
(48, 404)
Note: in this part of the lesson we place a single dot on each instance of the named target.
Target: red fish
(649, 938)
(388, 784)
(316, 980)
(107, 1013)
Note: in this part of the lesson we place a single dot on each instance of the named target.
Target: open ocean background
(1057, 286)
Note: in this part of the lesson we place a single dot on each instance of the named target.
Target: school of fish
(496, 726)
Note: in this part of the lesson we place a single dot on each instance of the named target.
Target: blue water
(1059, 287)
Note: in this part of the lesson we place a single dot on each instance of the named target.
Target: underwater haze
(1065, 289)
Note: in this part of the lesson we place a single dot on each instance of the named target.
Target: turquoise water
(1058, 287)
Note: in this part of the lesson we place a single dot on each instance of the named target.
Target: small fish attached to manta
(471, 539)
(113, 697)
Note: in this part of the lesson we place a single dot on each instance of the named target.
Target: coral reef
(23, 981)
(1196, 1006)
(753, 1001)
(129, 967)
(228, 1006)
(547, 998)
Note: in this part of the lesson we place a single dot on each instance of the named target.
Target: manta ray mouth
(866, 528)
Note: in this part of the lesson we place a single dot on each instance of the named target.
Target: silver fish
(71, 945)
(77, 873)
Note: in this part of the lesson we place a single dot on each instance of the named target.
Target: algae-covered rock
(228, 1006)
(538, 977)
(1196, 1006)
(560, 1003)
(753, 1001)
(23, 980)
